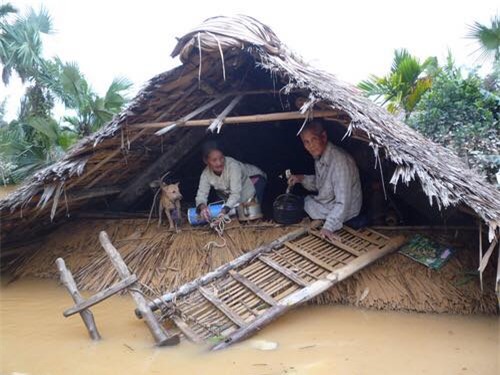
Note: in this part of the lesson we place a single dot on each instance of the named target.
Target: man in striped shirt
(336, 180)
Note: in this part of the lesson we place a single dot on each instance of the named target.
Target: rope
(218, 224)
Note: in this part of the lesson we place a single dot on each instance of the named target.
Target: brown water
(6, 190)
(37, 339)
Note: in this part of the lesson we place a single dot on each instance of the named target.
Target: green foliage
(91, 110)
(402, 88)
(21, 43)
(35, 139)
(488, 39)
(460, 113)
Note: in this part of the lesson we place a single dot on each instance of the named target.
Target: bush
(462, 113)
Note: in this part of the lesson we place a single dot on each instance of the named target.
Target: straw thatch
(163, 261)
(231, 56)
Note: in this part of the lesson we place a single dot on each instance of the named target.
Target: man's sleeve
(341, 180)
(203, 189)
(309, 182)
(235, 186)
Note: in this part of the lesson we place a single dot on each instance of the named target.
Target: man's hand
(295, 179)
(204, 212)
(329, 235)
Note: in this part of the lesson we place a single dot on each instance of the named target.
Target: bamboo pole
(497, 286)
(189, 116)
(101, 296)
(304, 294)
(217, 123)
(240, 119)
(69, 283)
(161, 337)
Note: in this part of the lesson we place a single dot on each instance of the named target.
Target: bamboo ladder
(239, 298)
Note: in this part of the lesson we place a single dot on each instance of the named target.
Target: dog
(170, 202)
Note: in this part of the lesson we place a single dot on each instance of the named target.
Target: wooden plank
(69, 283)
(285, 271)
(253, 287)
(221, 306)
(363, 236)
(371, 230)
(338, 244)
(186, 330)
(101, 296)
(311, 257)
(266, 117)
(162, 337)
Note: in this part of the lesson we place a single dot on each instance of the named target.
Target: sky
(350, 39)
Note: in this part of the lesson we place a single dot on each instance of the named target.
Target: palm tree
(404, 86)
(6, 9)
(488, 38)
(21, 43)
(91, 110)
(35, 139)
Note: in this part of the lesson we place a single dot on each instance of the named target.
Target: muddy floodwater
(37, 339)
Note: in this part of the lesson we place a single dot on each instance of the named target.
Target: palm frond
(487, 37)
(41, 21)
(6, 9)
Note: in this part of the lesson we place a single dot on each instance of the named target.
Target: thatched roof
(221, 59)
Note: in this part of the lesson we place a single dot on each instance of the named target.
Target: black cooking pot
(288, 209)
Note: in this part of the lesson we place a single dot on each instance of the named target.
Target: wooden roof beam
(247, 119)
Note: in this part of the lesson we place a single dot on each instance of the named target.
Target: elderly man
(336, 180)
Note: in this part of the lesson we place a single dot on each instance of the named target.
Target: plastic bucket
(214, 208)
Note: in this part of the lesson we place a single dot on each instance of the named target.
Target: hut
(237, 80)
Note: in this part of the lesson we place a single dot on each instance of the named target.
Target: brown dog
(170, 202)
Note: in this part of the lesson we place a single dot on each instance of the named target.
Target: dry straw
(163, 260)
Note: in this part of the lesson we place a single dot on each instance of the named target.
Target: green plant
(488, 39)
(405, 84)
(463, 115)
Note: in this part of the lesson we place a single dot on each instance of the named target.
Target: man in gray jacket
(336, 180)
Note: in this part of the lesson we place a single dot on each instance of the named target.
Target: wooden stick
(311, 257)
(221, 306)
(253, 287)
(283, 270)
(338, 244)
(497, 286)
(314, 289)
(194, 113)
(69, 283)
(240, 119)
(480, 255)
(217, 123)
(424, 227)
(205, 279)
(101, 296)
(186, 330)
(161, 337)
